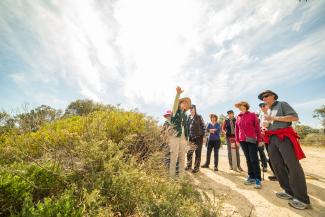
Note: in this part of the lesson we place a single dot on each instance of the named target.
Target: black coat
(196, 126)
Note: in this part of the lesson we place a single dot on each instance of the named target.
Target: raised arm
(179, 91)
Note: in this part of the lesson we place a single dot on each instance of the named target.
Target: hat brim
(260, 96)
(186, 99)
(237, 105)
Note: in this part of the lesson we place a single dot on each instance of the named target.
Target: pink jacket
(247, 125)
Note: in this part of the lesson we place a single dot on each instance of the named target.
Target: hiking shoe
(284, 196)
(240, 169)
(230, 168)
(295, 203)
(205, 166)
(249, 181)
(258, 184)
(272, 178)
(195, 170)
(188, 168)
(216, 169)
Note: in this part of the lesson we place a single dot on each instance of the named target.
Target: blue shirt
(216, 134)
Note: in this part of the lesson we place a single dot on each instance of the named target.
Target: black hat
(261, 105)
(260, 96)
(230, 111)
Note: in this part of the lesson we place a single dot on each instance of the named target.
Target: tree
(320, 114)
(6, 122)
(222, 118)
(84, 106)
(33, 120)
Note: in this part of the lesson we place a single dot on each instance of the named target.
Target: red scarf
(291, 134)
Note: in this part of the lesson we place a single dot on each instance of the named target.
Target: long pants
(229, 153)
(177, 151)
(196, 145)
(262, 156)
(250, 150)
(268, 153)
(287, 168)
(215, 146)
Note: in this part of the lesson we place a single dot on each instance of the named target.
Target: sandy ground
(241, 200)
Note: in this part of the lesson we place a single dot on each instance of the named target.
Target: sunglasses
(266, 95)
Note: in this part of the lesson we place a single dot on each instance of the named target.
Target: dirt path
(245, 201)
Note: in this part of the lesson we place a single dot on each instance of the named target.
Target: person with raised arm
(179, 120)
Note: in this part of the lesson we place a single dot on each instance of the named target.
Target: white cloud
(136, 52)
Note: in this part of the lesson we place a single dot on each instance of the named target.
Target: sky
(135, 53)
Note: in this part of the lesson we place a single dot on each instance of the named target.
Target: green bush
(106, 163)
(65, 206)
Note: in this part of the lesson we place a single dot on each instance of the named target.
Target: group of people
(250, 131)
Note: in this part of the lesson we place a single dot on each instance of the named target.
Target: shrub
(106, 163)
(314, 139)
(66, 206)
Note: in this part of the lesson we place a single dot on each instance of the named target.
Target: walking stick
(234, 159)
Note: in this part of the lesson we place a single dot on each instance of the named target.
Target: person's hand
(269, 118)
(179, 90)
(260, 144)
(212, 130)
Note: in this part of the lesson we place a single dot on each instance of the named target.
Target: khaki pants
(177, 151)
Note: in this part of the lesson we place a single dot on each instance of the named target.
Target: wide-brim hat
(186, 99)
(244, 103)
(260, 96)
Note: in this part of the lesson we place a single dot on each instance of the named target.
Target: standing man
(285, 151)
(179, 121)
(228, 128)
(196, 132)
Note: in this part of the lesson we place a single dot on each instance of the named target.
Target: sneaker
(205, 166)
(216, 169)
(295, 203)
(272, 178)
(258, 184)
(249, 181)
(284, 196)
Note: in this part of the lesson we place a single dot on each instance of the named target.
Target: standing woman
(214, 142)
(179, 142)
(248, 135)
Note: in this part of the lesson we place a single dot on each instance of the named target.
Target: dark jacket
(196, 126)
(226, 127)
